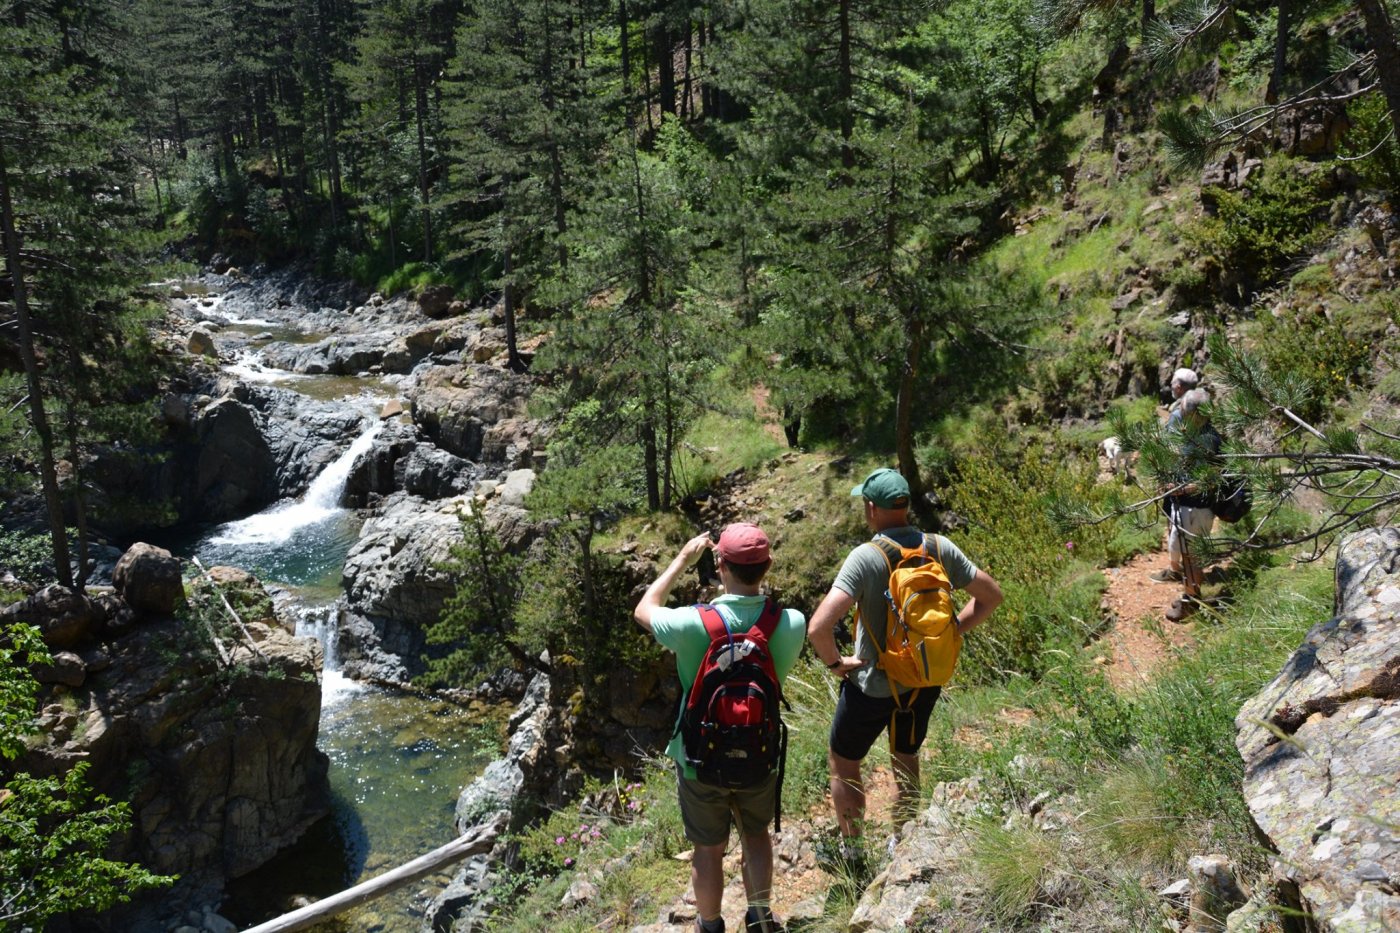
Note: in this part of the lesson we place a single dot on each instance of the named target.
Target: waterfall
(319, 622)
(279, 523)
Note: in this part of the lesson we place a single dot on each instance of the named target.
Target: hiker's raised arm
(655, 596)
(986, 596)
(821, 632)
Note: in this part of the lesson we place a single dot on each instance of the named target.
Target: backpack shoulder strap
(937, 545)
(889, 550)
(714, 623)
(768, 619)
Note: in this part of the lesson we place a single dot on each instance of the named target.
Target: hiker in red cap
(741, 628)
(882, 687)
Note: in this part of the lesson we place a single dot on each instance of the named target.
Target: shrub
(1049, 596)
(27, 555)
(1258, 231)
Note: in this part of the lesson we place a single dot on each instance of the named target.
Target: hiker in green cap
(867, 704)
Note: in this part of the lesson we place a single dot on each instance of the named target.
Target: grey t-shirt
(866, 575)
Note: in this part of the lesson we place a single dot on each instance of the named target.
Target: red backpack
(733, 732)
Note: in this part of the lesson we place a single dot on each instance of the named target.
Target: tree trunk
(665, 68)
(48, 474)
(76, 381)
(1149, 14)
(1275, 87)
(513, 360)
(420, 110)
(844, 84)
(904, 414)
(624, 41)
(1380, 35)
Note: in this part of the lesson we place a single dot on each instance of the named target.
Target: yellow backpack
(921, 640)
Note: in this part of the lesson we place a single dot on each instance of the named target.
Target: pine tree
(521, 126)
(66, 197)
(630, 335)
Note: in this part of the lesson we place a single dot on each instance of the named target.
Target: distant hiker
(1183, 381)
(753, 634)
(1189, 514)
(893, 560)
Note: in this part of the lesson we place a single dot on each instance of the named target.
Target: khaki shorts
(706, 810)
(1185, 526)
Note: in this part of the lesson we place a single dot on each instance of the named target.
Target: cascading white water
(319, 622)
(278, 524)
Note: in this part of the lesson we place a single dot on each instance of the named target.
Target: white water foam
(277, 524)
(319, 622)
(248, 366)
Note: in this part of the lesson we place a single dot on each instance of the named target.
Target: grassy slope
(1141, 781)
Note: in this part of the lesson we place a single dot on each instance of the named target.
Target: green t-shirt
(681, 631)
(866, 576)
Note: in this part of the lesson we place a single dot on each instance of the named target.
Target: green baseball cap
(886, 488)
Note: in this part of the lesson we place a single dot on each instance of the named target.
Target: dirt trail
(799, 885)
(1140, 639)
(763, 410)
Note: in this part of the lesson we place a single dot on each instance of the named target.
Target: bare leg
(707, 877)
(758, 868)
(847, 794)
(906, 779)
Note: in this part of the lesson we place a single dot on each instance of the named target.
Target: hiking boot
(1183, 607)
(761, 920)
(1166, 576)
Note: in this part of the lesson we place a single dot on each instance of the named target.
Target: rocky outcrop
(394, 579)
(1321, 747)
(512, 788)
(215, 466)
(207, 729)
(303, 435)
(476, 412)
(64, 619)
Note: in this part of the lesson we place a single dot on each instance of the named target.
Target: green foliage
(1256, 232)
(1012, 537)
(1319, 349)
(477, 623)
(27, 555)
(1370, 140)
(53, 831)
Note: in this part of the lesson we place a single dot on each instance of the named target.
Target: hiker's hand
(693, 549)
(847, 665)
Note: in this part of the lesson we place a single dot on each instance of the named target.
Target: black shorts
(860, 719)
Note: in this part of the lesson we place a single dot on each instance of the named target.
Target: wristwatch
(834, 665)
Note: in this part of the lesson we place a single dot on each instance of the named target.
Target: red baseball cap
(742, 543)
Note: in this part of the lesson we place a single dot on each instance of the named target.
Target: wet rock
(302, 436)
(380, 470)
(1319, 770)
(201, 343)
(148, 579)
(394, 575)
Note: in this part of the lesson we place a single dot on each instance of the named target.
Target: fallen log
(479, 839)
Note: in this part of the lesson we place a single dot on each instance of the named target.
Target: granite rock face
(1321, 746)
(213, 744)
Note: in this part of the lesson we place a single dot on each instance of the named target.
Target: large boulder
(435, 301)
(148, 579)
(1321, 747)
(456, 406)
(303, 436)
(64, 619)
(394, 576)
(233, 466)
